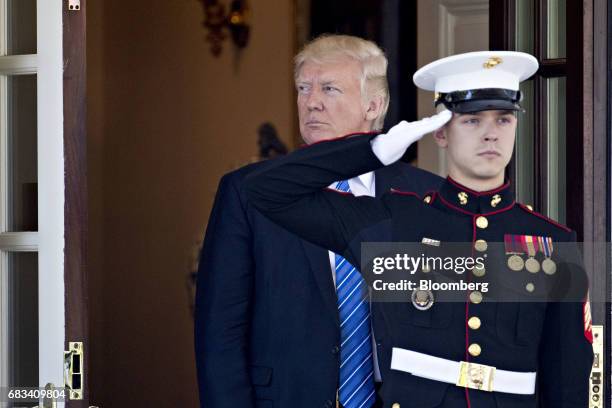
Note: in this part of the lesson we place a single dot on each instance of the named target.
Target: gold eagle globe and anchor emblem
(492, 62)
(496, 200)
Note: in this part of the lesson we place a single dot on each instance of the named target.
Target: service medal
(513, 248)
(532, 265)
(516, 263)
(423, 299)
(549, 267)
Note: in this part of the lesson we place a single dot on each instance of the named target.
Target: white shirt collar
(367, 180)
(360, 185)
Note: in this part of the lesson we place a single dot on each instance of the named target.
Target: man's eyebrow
(329, 82)
(303, 81)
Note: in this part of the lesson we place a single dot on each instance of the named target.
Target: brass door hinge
(74, 5)
(596, 384)
(74, 372)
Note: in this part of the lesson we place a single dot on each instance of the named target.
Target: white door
(31, 195)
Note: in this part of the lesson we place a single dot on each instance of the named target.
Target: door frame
(75, 182)
(51, 318)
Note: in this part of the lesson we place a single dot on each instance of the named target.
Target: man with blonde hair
(281, 322)
(367, 59)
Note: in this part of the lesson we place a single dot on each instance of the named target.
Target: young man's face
(329, 100)
(479, 145)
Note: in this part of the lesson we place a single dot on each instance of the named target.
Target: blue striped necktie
(356, 385)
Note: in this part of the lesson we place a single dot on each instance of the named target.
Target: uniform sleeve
(566, 352)
(293, 193)
(223, 300)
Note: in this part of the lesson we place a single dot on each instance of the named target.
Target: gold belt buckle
(476, 376)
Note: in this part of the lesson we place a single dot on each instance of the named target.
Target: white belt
(462, 373)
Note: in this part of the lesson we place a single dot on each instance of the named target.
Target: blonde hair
(330, 47)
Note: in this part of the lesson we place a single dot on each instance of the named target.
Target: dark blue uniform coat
(266, 324)
(544, 337)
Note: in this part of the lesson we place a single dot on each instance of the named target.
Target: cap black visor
(482, 105)
(480, 100)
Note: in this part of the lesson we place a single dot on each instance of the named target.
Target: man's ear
(441, 137)
(374, 108)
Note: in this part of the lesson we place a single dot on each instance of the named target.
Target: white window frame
(49, 240)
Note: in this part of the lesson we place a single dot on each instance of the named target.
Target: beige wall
(165, 121)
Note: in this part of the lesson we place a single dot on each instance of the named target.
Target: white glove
(390, 147)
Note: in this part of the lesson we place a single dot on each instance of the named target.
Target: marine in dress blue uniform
(475, 353)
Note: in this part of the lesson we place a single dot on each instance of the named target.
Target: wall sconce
(216, 20)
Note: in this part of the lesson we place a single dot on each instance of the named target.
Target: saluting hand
(390, 147)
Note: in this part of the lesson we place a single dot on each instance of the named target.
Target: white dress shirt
(363, 185)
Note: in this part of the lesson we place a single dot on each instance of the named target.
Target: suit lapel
(321, 269)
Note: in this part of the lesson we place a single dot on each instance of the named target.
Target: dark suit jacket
(266, 324)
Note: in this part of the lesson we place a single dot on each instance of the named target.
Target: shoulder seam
(545, 218)
(406, 193)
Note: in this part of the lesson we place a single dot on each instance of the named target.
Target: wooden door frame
(75, 181)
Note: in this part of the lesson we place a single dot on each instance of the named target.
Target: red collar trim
(479, 193)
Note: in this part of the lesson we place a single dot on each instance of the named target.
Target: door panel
(446, 27)
(22, 268)
(20, 27)
(21, 153)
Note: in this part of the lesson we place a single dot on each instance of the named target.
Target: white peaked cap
(477, 70)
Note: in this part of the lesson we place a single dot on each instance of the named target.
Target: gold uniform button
(482, 222)
(474, 349)
(479, 272)
(476, 297)
(427, 199)
(474, 323)
(395, 405)
(480, 245)
(530, 287)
